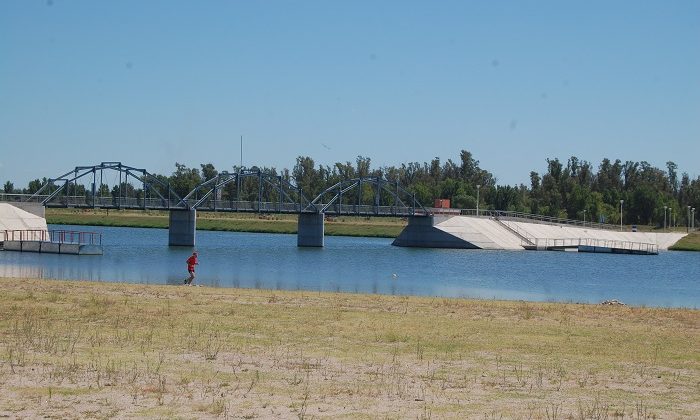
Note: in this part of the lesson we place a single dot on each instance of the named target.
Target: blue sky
(152, 82)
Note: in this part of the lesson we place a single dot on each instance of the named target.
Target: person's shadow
(175, 281)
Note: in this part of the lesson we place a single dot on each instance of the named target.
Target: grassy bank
(232, 222)
(79, 349)
(690, 242)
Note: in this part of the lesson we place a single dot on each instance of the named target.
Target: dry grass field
(101, 350)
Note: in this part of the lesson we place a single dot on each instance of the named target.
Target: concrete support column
(310, 229)
(421, 232)
(183, 227)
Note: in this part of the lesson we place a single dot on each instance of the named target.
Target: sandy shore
(100, 350)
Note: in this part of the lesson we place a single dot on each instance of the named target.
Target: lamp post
(621, 201)
(584, 217)
(477, 199)
(687, 224)
(692, 219)
(672, 219)
(665, 207)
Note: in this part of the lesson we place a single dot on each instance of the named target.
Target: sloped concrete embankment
(534, 230)
(456, 232)
(469, 232)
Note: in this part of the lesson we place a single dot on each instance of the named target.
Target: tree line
(573, 189)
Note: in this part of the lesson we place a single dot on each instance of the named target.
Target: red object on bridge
(442, 203)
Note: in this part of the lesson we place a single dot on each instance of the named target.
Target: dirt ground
(103, 350)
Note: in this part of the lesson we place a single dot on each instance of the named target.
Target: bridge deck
(244, 207)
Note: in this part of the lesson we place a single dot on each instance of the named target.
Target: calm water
(374, 266)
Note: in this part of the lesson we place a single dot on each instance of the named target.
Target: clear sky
(153, 82)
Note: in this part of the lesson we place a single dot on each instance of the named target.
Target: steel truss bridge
(247, 190)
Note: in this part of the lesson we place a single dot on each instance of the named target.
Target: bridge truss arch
(248, 190)
(114, 185)
(88, 187)
(368, 196)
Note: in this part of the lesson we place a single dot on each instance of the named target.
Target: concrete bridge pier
(183, 227)
(422, 232)
(310, 229)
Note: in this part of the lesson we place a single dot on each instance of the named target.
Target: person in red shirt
(191, 262)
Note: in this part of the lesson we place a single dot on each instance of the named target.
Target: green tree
(35, 185)
(8, 188)
(208, 171)
(306, 176)
(184, 179)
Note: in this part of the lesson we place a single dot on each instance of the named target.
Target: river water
(369, 265)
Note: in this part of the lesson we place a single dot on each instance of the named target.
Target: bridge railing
(252, 206)
(368, 210)
(525, 238)
(335, 209)
(537, 218)
(81, 201)
(16, 198)
(54, 236)
(109, 202)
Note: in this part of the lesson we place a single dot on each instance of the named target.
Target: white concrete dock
(23, 231)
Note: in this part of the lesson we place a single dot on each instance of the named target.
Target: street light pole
(672, 219)
(621, 201)
(584, 217)
(477, 199)
(692, 219)
(665, 207)
(687, 224)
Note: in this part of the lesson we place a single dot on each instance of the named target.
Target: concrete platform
(52, 248)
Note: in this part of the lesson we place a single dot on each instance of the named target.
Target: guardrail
(232, 206)
(537, 218)
(54, 236)
(525, 239)
(545, 243)
(16, 198)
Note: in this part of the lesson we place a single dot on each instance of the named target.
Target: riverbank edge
(300, 293)
(690, 242)
(248, 225)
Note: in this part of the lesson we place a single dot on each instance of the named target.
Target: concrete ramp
(422, 232)
(457, 232)
(483, 233)
(471, 232)
(13, 218)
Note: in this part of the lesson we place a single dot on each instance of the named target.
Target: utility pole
(477, 199)
(621, 201)
(672, 219)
